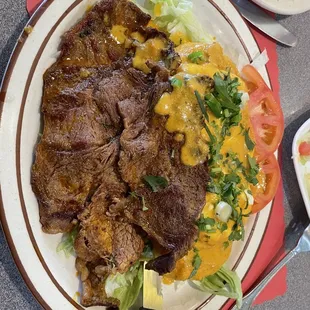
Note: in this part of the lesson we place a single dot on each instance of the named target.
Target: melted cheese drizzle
(183, 110)
(149, 51)
(211, 247)
(118, 33)
(181, 105)
(185, 118)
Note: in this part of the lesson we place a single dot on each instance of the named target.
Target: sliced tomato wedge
(265, 114)
(270, 168)
(304, 149)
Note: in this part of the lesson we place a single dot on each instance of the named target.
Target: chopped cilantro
(214, 105)
(201, 105)
(232, 177)
(251, 174)
(214, 188)
(249, 143)
(175, 82)
(156, 183)
(195, 263)
(227, 113)
(227, 91)
(196, 57)
(225, 100)
(216, 170)
(204, 113)
(225, 245)
(205, 223)
(237, 233)
(225, 172)
(223, 227)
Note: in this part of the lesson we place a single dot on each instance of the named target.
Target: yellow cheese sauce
(184, 119)
(118, 33)
(215, 248)
(216, 61)
(181, 105)
(148, 51)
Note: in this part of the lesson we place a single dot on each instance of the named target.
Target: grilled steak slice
(104, 245)
(103, 237)
(69, 141)
(93, 285)
(146, 149)
(63, 182)
(90, 43)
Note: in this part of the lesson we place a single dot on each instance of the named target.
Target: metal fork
(303, 245)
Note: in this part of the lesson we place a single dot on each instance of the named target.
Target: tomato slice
(304, 149)
(265, 114)
(270, 167)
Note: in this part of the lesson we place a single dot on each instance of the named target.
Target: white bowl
(285, 7)
(299, 168)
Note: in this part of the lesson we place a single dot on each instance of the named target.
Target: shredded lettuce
(125, 287)
(176, 16)
(224, 283)
(67, 242)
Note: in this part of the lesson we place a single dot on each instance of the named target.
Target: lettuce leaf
(176, 16)
(224, 283)
(67, 242)
(125, 287)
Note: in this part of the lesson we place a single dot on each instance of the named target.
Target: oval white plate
(50, 275)
(299, 168)
(285, 7)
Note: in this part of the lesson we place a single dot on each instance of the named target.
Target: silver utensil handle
(249, 298)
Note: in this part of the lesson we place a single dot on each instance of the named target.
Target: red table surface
(274, 235)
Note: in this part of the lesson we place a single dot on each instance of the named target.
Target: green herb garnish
(196, 57)
(223, 227)
(195, 263)
(225, 100)
(251, 174)
(201, 105)
(175, 82)
(237, 233)
(156, 183)
(214, 105)
(226, 245)
(204, 113)
(225, 91)
(205, 223)
(249, 143)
